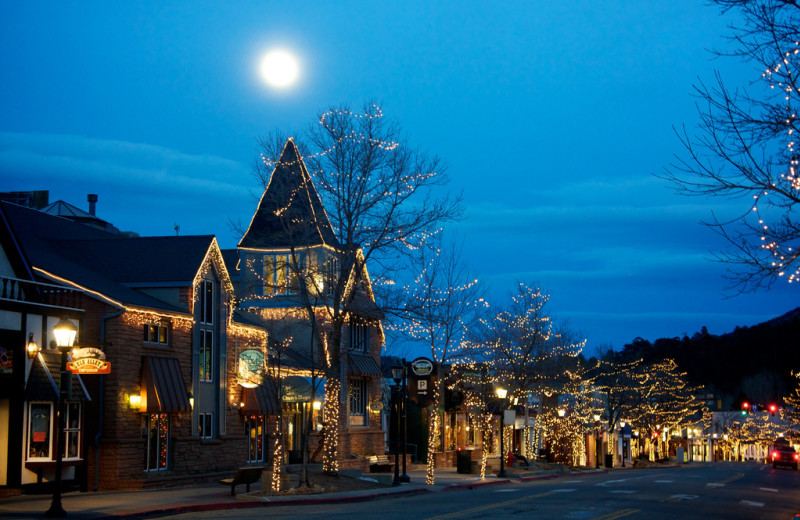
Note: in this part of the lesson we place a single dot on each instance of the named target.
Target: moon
(279, 68)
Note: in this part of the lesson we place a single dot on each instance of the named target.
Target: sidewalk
(154, 503)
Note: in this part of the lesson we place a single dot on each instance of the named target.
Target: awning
(164, 388)
(261, 400)
(361, 365)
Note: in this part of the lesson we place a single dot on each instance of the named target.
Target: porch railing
(27, 291)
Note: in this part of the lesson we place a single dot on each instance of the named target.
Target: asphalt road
(709, 491)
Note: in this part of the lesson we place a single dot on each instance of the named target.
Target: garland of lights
(433, 436)
(330, 446)
(277, 458)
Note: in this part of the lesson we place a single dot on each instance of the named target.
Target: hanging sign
(421, 381)
(251, 364)
(88, 360)
(422, 367)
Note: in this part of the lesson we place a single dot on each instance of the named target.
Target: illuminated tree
(745, 145)
(622, 385)
(791, 410)
(523, 350)
(381, 200)
(442, 305)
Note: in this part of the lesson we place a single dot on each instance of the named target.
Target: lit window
(39, 428)
(359, 336)
(156, 333)
(279, 275)
(358, 401)
(157, 454)
(206, 362)
(254, 429)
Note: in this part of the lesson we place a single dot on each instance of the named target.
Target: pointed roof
(290, 212)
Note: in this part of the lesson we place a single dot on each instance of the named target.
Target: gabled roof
(290, 212)
(107, 263)
(63, 209)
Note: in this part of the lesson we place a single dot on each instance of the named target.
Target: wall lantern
(501, 392)
(317, 405)
(561, 412)
(134, 401)
(32, 348)
(191, 401)
(65, 333)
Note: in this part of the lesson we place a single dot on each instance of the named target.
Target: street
(725, 490)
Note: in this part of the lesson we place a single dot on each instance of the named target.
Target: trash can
(609, 460)
(463, 461)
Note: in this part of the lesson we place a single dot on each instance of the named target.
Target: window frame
(280, 279)
(255, 429)
(206, 359)
(48, 432)
(358, 388)
(159, 328)
(358, 336)
(167, 446)
(205, 425)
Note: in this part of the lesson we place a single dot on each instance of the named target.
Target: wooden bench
(380, 464)
(243, 476)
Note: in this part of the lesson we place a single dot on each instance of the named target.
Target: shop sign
(422, 367)
(295, 389)
(251, 364)
(6, 361)
(88, 360)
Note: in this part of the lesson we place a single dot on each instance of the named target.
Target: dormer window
(359, 336)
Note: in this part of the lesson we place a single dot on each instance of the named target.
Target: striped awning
(362, 365)
(261, 400)
(165, 391)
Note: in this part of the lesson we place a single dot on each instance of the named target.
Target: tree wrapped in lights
(441, 307)
(746, 145)
(791, 409)
(523, 349)
(379, 201)
(569, 423)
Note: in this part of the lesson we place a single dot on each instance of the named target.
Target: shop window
(72, 431)
(205, 425)
(206, 362)
(358, 401)
(40, 416)
(157, 453)
(156, 333)
(254, 429)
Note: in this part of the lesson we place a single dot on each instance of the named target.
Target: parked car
(784, 455)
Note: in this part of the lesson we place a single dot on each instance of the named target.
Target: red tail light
(775, 455)
(796, 456)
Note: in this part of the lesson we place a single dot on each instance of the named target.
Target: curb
(475, 484)
(266, 502)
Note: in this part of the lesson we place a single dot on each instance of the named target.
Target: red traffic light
(773, 408)
(745, 405)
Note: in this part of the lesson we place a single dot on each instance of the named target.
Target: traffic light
(745, 408)
(772, 409)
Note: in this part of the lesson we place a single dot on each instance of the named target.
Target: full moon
(279, 68)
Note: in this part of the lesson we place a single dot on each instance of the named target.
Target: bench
(380, 464)
(243, 476)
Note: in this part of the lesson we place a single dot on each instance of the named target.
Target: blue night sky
(552, 116)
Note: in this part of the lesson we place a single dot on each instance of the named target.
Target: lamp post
(397, 375)
(501, 394)
(65, 333)
(404, 402)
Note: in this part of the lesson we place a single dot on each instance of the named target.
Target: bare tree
(382, 199)
(745, 146)
(443, 304)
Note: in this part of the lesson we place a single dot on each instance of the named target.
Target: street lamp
(397, 375)
(501, 394)
(403, 404)
(65, 333)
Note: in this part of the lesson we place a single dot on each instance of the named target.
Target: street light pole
(404, 400)
(501, 393)
(397, 375)
(65, 333)
(597, 441)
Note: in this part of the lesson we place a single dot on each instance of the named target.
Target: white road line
(564, 490)
(623, 491)
(751, 503)
(505, 490)
(771, 490)
(685, 497)
(714, 484)
(664, 481)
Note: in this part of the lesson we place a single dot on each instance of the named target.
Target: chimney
(92, 198)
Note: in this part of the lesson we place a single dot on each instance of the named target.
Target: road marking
(714, 484)
(488, 506)
(617, 514)
(563, 490)
(509, 490)
(771, 490)
(728, 480)
(623, 491)
(679, 497)
(607, 482)
(664, 481)
(751, 503)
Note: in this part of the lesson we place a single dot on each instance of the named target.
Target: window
(39, 428)
(72, 431)
(157, 333)
(157, 453)
(279, 276)
(206, 363)
(205, 425)
(206, 295)
(358, 401)
(331, 274)
(359, 336)
(254, 429)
